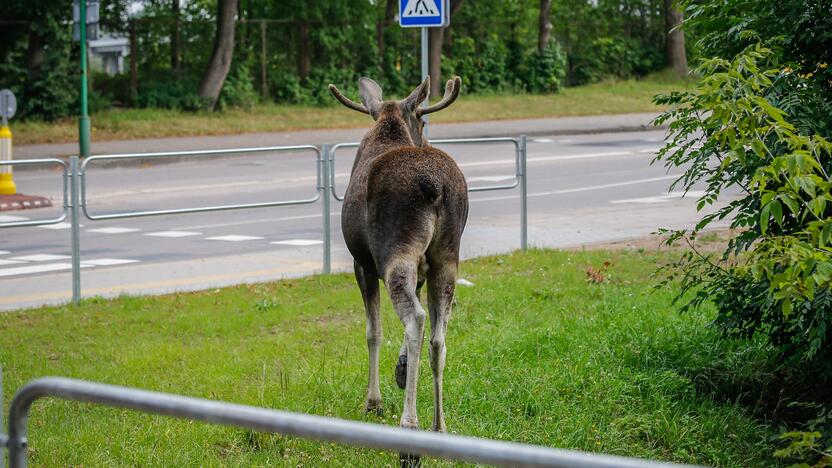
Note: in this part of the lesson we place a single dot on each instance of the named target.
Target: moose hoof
(401, 371)
(408, 460)
(374, 407)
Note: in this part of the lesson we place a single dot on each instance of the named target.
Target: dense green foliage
(536, 354)
(492, 44)
(757, 131)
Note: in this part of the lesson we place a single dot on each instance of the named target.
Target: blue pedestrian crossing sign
(423, 13)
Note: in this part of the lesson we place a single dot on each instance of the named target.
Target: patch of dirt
(713, 241)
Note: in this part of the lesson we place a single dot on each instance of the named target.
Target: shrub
(758, 122)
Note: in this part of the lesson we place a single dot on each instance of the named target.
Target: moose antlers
(452, 88)
(451, 93)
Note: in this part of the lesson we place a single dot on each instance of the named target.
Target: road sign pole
(425, 72)
(84, 119)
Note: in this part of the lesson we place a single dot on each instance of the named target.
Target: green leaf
(764, 217)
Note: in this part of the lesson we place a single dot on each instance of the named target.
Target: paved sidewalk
(553, 126)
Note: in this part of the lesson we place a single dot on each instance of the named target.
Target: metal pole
(326, 187)
(84, 119)
(524, 210)
(2, 437)
(76, 231)
(425, 73)
(360, 434)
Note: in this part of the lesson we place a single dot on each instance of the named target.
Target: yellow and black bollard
(7, 186)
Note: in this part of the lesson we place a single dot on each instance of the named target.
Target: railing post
(326, 186)
(524, 209)
(76, 231)
(3, 439)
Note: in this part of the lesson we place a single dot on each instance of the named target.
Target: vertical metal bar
(425, 72)
(84, 118)
(76, 231)
(2, 409)
(326, 186)
(524, 209)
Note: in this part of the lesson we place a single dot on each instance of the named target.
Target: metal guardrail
(306, 426)
(75, 191)
(195, 154)
(519, 179)
(65, 180)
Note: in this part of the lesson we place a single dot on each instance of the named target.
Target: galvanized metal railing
(451, 447)
(519, 177)
(65, 177)
(75, 175)
(191, 155)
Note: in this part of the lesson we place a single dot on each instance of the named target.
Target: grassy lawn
(536, 353)
(598, 99)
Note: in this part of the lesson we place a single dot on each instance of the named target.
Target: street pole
(84, 119)
(425, 73)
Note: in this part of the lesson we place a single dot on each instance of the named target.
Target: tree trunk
(305, 59)
(175, 39)
(675, 42)
(34, 54)
(544, 25)
(436, 37)
(220, 62)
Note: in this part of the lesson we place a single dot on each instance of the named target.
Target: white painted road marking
(490, 178)
(580, 189)
(4, 252)
(173, 234)
(113, 230)
(41, 258)
(108, 261)
(9, 262)
(298, 242)
(234, 238)
(543, 140)
(11, 219)
(35, 269)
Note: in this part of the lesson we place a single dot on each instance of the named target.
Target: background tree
(220, 63)
(544, 25)
(675, 39)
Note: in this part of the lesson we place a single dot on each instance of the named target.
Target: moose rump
(415, 208)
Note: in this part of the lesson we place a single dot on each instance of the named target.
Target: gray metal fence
(451, 447)
(75, 178)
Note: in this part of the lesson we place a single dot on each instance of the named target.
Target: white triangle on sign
(419, 8)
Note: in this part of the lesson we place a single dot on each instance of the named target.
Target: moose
(403, 214)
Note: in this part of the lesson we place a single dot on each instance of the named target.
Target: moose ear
(418, 95)
(370, 93)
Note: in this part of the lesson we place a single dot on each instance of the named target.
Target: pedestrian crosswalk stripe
(234, 238)
(4, 252)
(113, 230)
(173, 234)
(9, 262)
(11, 219)
(108, 261)
(41, 258)
(298, 242)
(59, 226)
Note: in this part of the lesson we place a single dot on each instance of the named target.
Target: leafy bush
(546, 70)
(238, 89)
(758, 122)
(163, 90)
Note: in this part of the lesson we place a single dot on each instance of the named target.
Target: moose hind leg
(400, 278)
(370, 293)
(441, 283)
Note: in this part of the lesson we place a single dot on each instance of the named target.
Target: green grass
(614, 97)
(535, 354)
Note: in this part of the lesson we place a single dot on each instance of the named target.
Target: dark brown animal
(403, 215)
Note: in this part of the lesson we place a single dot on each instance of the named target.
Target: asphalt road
(583, 189)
